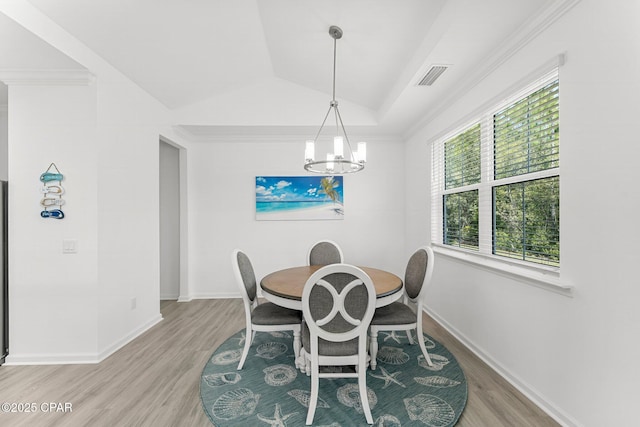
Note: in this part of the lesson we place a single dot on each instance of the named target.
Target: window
(526, 220)
(495, 181)
(461, 219)
(461, 168)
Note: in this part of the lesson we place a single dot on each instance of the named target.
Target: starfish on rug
(392, 336)
(388, 378)
(278, 419)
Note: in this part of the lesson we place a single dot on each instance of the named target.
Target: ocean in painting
(299, 198)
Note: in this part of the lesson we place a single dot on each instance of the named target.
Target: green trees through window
(462, 168)
(461, 219)
(462, 159)
(511, 178)
(526, 134)
(527, 220)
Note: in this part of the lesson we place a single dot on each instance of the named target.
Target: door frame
(184, 294)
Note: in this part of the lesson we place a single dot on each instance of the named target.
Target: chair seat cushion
(395, 313)
(327, 348)
(271, 314)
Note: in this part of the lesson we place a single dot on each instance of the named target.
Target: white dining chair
(324, 252)
(338, 302)
(265, 317)
(399, 316)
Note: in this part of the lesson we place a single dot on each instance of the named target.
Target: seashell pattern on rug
(303, 396)
(235, 403)
(387, 420)
(402, 391)
(271, 350)
(280, 334)
(279, 375)
(227, 357)
(392, 355)
(349, 395)
(436, 381)
(428, 343)
(218, 380)
(437, 360)
(430, 410)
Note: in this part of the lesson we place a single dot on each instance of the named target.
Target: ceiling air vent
(432, 75)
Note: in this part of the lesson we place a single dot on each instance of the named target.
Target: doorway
(170, 238)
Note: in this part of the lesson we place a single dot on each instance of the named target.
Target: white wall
(104, 137)
(222, 212)
(52, 296)
(576, 356)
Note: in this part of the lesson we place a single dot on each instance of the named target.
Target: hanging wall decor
(52, 192)
(299, 198)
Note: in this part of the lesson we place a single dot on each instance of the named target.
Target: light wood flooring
(154, 380)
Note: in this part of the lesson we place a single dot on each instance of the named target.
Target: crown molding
(513, 44)
(213, 133)
(41, 77)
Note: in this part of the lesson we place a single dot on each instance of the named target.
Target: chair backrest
(338, 302)
(245, 277)
(325, 252)
(418, 272)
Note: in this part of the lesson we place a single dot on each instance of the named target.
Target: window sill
(540, 276)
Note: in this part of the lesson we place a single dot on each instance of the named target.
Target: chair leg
(362, 387)
(248, 339)
(313, 400)
(373, 348)
(409, 337)
(420, 339)
(297, 344)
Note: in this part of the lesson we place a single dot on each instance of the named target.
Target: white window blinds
(495, 181)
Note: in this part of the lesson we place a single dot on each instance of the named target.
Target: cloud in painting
(282, 184)
(261, 190)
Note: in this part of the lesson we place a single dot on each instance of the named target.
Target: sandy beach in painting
(324, 211)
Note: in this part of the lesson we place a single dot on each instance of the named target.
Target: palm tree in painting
(329, 186)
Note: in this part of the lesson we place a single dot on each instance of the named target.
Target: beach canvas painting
(299, 197)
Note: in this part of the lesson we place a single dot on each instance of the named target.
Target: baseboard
(214, 296)
(129, 337)
(51, 359)
(555, 413)
(80, 358)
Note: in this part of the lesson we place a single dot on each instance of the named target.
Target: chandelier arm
(345, 134)
(322, 125)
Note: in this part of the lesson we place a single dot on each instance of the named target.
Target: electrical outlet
(133, 303)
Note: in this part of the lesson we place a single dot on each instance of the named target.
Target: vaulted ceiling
(188, 52)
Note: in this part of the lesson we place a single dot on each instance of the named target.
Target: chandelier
(341, 161)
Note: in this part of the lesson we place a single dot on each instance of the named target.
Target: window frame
(541, 275)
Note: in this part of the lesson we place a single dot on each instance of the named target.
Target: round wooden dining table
(284, 287)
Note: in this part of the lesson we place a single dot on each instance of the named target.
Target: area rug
(402, 391)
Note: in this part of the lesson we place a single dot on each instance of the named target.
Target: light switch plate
(69, 246)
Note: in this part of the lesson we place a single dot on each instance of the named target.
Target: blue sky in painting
(293, 189)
